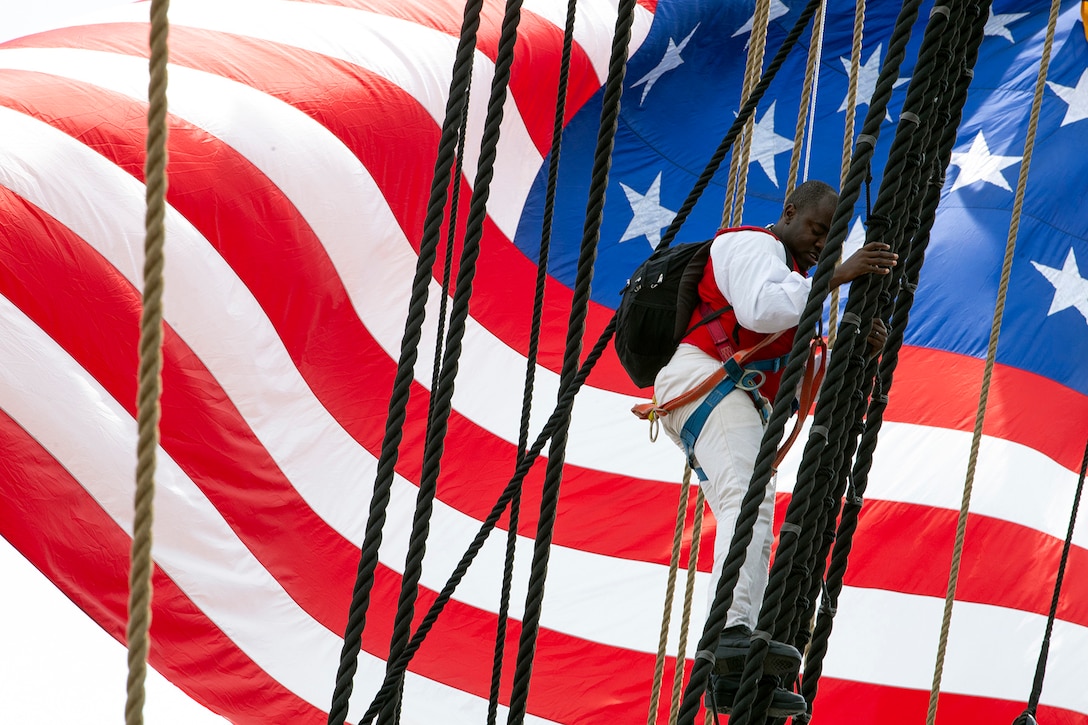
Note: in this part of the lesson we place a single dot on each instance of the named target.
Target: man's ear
(789, 212)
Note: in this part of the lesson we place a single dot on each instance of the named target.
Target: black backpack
(656, 308)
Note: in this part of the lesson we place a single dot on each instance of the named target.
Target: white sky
(56, 664)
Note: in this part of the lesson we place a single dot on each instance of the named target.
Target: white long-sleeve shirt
(753, 273)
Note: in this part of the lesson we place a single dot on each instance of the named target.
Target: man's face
(805, 230)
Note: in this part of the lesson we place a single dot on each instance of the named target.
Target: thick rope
(398, 400)
(587, 256)
(689, 592)
(437, 429)
(738, 166)
(148, 409)
(991, 356)
(558, 416)
(533, 351)
(807, 325)
(889, 360)
(806, 108)
(1044, 649)
(670, 590)
(820, 477)
(848, 141)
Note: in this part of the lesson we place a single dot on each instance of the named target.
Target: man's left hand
(878, 335)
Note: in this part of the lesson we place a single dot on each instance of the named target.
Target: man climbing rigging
(759, 277)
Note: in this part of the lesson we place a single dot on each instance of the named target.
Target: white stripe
(891, 639)
(192, 544)
(343, 205)
(927, 466)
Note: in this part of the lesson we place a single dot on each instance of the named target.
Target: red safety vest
(741, 337)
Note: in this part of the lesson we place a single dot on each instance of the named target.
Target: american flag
(302, 140)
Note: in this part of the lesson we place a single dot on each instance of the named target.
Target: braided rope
(991, 356)
(438, 426)
(848, 141)
(808, 98)
(533, 351)
(587, 256)
(1044, 649)
(670, 590)
(827, 460)
(889, 360)
(137, 632)
(738, 166)
(398, 400)
(807, 324)
(698, 517)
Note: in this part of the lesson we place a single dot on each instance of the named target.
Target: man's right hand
(873, 258)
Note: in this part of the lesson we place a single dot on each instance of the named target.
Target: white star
(998, 24)
(778, 9)
(868, 73)
(670, 61)
(978, 164)
(855, 240)
(766, 144)
(1070, 289)
(650, 217)
(1075, 97)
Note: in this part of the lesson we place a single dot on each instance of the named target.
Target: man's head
(805, 221)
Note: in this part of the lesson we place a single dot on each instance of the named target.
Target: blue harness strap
(749, 379)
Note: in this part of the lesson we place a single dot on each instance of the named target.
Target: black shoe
(733, 648)
(784, 703)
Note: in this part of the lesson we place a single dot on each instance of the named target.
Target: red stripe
(51, 519)
(534, 76)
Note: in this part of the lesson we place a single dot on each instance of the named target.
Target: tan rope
(150, 369)
(670, 590)
(848, 143)
(806, 99)
(685, 620)
(738, 165)
(991, 355)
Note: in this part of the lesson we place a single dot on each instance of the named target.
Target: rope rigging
(847, 416)
(398, 401)
(991, 352)
(822, 461)
(148, 410)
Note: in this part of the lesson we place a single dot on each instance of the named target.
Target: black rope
(531, 357)
(602, 161)
(842, 401)
(398, 400)
(793, 623)
(889, 360)
(781, 412)
(436, 432)
(1044, 649)
(559, 414)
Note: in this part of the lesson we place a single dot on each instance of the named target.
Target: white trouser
(726, 450)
